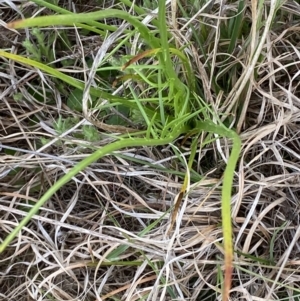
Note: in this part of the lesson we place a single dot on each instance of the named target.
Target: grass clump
(126, 119)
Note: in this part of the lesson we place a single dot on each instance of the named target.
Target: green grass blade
(209, 126)
(93, 25)
(108, 149)
(237, 27)
(72, 19)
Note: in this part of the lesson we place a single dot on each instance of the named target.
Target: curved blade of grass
(93, 25)
(211, 127)
(107, 149)
(71, 19)
(166, 137)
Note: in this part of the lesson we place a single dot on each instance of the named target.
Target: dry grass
(119, 208)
